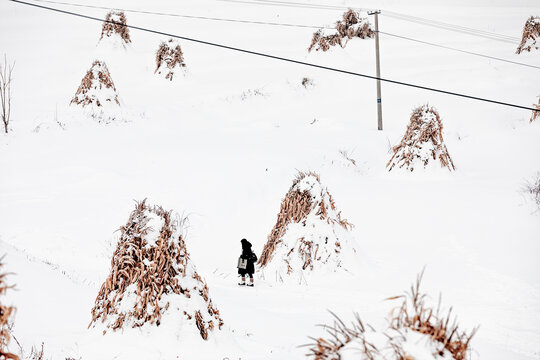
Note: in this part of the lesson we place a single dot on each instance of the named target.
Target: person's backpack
(242, 263)
(253, 257)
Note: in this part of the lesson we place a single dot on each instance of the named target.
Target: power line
(182, 15)
(279, 24)
(280, 58)
(399, 16)
(459, 50)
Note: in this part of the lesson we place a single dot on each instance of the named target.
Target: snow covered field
(223, 143)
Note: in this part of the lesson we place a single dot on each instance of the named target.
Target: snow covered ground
(223, 143)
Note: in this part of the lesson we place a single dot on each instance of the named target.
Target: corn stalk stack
(530, 35)
(536, 113)
(6, 312)
(115, 26)
(152, 277)
(309, 232)
(169, 56)
(422, 141)
(353, 25)
(97, 94)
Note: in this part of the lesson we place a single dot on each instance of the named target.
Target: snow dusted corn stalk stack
(115, 25)
(5, 314)
(352, 26)
(530, 36)
(97, 94)
(168, 57)
(423, 141)
(536, 113)
(307, 234)
(415, 331)
(152, 276)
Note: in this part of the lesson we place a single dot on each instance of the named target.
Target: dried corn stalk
(115, 23)
(5, 314)
(415, 315)
(536, 113)
(353, 25)
(151, 266)
(423, 141)
(168, 57)
(97, 87)
(310, 208)
(414, 331)
(531, 33)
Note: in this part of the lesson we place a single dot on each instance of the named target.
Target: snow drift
(309, 234)
(422, 141)
(353, 25)
(152, 277)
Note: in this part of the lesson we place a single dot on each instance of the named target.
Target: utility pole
(378, 66)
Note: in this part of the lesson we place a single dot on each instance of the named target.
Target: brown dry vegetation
(339, 335)
(295, 208)
(5, 314)
(415, 315)
(154, 270)
(115, 23)
(530, 35)
(536, 113)
(104, 80)
(412, 315)
(170, 57)
(420, 132)
(345, 30)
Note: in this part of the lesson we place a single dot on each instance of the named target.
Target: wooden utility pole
(378, 69)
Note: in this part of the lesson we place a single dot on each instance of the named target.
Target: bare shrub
(295, 208)
(148, 266)
(536, 113)
(115, 23)
(533, 189)
(168, 57)
(530, 35)
(97, 87)
(307, 82)
(6, 77)
(351, 26)
(6, 312)
(422, 141)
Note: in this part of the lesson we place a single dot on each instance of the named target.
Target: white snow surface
(204, 148)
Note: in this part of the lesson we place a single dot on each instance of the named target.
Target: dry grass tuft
(115, 23)
(351, 26)
(155, 269)
(422, 140)
(295, 208)
(92, 85)
(536, 113)
(339, 335)
(415, 315)
(5, 314)
(168, 57)
(531, 32)
(533, 188)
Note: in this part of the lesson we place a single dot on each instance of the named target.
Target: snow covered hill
(221, 143)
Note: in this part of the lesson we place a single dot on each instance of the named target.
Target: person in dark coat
(246, 263)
